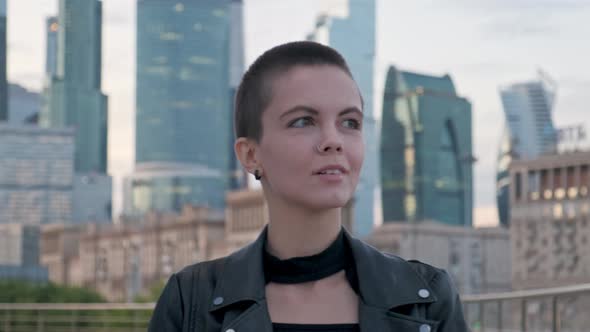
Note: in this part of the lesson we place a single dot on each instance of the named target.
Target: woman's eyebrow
(300, 108)
(353, 109)
(311, 110)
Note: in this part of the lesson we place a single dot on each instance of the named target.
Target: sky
(482, 44)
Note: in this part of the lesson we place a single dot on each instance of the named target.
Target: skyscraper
(349, 27)
(51, 36)
(74, 97)
(426, 150)
(3, 83)
(529, 131)
(189, 62)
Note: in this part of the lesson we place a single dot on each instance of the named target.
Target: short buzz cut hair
(255, 90)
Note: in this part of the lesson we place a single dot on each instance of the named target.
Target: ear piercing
(257, 175)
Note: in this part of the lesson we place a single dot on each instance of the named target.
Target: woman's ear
(246, 149)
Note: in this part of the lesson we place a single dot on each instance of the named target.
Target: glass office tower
(529, 131)
(189, 61)
(426, 150)
(73, 97)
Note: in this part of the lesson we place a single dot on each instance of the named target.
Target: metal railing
(79, 317)
(562, 309)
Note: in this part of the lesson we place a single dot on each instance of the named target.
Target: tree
(152, 294)
(14, 291)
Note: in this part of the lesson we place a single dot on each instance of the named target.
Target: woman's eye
(301, 122)
(352, 124)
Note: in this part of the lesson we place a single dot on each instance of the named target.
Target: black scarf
(335, 258)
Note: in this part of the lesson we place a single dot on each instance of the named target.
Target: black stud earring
(257, 175)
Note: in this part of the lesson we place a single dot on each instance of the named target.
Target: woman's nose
(331, 142)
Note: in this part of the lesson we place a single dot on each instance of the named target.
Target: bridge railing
(79, 317)
(560, 309)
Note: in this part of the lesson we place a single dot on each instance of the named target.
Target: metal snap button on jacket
(423, 293)
(424, 328)
(218, 301)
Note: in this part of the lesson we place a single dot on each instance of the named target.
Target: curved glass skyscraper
(185, 79)
(426, 150)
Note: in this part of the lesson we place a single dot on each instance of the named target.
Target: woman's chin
(327, 203)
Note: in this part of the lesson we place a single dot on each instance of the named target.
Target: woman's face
(312, 149)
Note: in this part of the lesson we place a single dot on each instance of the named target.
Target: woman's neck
(294, 232)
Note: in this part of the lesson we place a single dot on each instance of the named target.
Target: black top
(337, 257)
(315, 327)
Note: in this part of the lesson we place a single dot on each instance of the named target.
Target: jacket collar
(243, 277)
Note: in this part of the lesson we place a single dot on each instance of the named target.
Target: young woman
(298, 120)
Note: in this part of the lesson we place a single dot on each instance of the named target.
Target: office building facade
(189, 62)
(426, 150)
(73, 97)
(529, 131)
(36, 175)
(478, 259)
(550, 220)
(51, 37)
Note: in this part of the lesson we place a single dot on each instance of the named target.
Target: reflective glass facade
(505, 157)
(184, 100)
(426, 150)
(529, 133)
(51, 27)
(167, 187)
(73, 98)
(528, 111)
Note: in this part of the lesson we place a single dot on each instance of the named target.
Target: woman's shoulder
(437, 279)
(432, 275)
(202, 271)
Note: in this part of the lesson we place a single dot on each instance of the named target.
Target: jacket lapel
(385, 282)
(253, 319)
(377, 319)
(239, 295)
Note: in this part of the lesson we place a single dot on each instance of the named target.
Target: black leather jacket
(227, 295)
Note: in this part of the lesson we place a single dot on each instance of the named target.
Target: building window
(517, 186)
(534, 185)
(557, 211)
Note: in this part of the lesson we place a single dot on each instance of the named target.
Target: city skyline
(482, 46)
